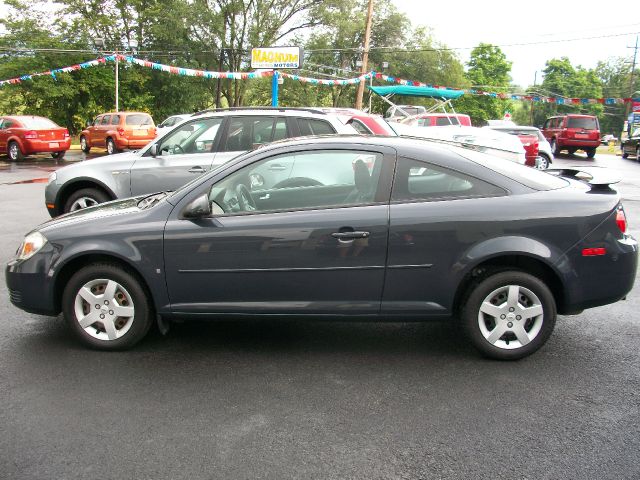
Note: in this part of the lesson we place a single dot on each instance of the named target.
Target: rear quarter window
(310, 126)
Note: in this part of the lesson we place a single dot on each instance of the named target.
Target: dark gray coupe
(364, 228)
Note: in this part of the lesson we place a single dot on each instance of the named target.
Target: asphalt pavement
(297, 399)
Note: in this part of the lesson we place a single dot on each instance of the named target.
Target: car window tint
(97, 120)
(8, 124)
(245, 132)
(301, 180)
(115, 120)
(139, 119)
(360, 127)
(310, 126)
(417, 180)
(443, 121)
(105, 120)
(586, 123)
(280, 131)
(38, 123)
(193, 137)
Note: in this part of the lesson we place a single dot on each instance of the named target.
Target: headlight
(52, 177)
(31, 244)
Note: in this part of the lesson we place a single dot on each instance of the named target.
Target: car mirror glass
(200, 146)
(154, 150)
(198, 207)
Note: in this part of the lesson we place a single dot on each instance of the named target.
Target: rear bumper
(124, 143)
(578, 143)
(37, 146)
(601, 280)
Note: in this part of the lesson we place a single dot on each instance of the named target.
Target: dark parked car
(376, 228)
(631, 146)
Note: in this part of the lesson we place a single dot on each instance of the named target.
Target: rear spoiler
(597, 177)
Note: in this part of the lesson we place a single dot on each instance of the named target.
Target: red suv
(117, 131)
(573, 132)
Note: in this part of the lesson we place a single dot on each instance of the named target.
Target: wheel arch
(75, 263)
(520, 261)
(77, 184)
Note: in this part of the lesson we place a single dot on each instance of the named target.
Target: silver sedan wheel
(104, 309)
(83, 202)
(510, 317)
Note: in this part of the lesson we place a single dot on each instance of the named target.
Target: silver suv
(203, 141)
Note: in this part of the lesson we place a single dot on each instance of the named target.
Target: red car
(573, 132)
(531, 147)
(22, 135)
(438, 119)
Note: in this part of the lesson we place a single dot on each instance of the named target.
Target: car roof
(283, 111)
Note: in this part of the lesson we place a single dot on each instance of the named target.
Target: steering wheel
(177, 149)
(245, 199)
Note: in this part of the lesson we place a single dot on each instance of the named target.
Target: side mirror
(154, 150)
(198, 207)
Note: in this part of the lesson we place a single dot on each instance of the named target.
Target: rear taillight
(30, 135)
(621, 220)
(66, 133)
(121, 131)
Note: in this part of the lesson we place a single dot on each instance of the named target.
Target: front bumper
(30, 285)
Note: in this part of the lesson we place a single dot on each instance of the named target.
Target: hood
(109, 209)
(120, 161)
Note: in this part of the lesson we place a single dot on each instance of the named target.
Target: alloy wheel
(83, 202)
(13, 151)
(510, 317)
(104, 309)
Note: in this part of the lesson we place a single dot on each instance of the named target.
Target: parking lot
(299, 399)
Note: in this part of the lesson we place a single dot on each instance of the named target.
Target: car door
(434, 215)
(94, 132)
(182, 154)
(314, 249)
(3, 137)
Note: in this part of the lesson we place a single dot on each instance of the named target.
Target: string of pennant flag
(312, 81)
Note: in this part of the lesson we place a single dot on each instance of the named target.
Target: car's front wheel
(111, 146)
(107, 307)
(554, 147)
(86, 197)
(84, 145)
(509, 315)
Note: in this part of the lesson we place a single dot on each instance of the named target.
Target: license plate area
(54, 145)
(139, 133)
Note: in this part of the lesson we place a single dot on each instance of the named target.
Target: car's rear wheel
(509, 315)
(14, 152)
(591, 152)
(107, 307)
(84, 146)
(543, 162)
(58, 155)
(86, 197)
(111, 146)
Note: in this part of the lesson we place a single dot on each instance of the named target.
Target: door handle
(196, 170)
(349, 235)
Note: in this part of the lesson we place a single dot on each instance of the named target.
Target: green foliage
(488, 71)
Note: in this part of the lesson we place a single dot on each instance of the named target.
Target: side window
(280, 131)
(417, 180)
(115, 120)
(301, 180)
(311, 126)
(97, 121)
(443, 121)
(1, 123)
(360, 127)
(547, 124)
(105, 120)
(193, 137)
(247, 131)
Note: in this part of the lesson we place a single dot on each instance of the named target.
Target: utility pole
(631, 82)
(535, 79)
(117, 80)
(220, 62)
(365, 55)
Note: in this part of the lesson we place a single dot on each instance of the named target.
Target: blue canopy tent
(443, 95)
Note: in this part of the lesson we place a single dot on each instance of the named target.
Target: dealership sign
(276, 57)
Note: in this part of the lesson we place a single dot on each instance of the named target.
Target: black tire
(14, 152)
(572, 151)
(554, 147)
(638, 153)
(84, 146)
(625, 154)
(143, 310)
(591, 152)
(96, 196)
(484, 288)
(58, 155)
(111, 147)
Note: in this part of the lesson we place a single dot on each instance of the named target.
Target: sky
(567, 28)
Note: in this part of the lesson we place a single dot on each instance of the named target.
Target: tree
(488, 70)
